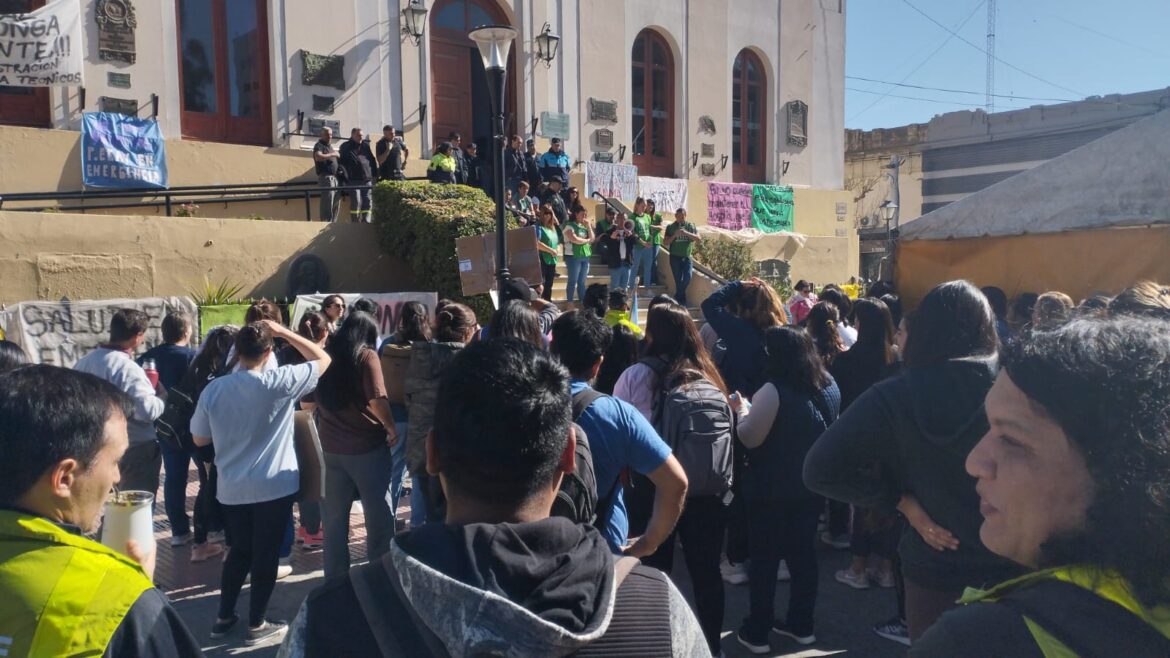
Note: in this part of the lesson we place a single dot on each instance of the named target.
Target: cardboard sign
(60, 333)
(477, 259)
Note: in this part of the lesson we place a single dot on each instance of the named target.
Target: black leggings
(254, 533)
(548, 273)
(208, 512)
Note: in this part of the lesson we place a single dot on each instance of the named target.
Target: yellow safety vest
(60, 594)
(1108, 586)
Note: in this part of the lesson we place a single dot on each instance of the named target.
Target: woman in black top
(902, 444)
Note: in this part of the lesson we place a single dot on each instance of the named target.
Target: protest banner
(668, 194)
(389, 304)
(772, 208)
(618, 181)
(211, 317)
(42, 48)
(60, 333)
(122, 151)
(729, 205)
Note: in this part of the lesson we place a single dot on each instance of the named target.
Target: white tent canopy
(1121, 179)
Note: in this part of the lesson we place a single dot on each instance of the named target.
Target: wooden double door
(24, 106)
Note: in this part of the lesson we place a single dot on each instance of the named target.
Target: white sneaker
(216, 537)
(782, 574)
(284, 569)
(852, 579)
(734, 574)
(882, 580)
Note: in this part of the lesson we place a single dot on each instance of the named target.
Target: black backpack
(577, 498)
(693, 417)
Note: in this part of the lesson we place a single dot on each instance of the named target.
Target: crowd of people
(1000, 466)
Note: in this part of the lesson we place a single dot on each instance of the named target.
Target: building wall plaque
(315, 126)
(118, 80)
(797, 123)
(706, 125)
(708, 150)
(707, 169)
(606, 156)
(603, 137)
(127, 106)
(116, 23)
(600, 110)
(324, 103)
(323, 70)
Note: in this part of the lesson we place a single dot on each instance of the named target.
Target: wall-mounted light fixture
(547, 44)
(784, 167)
(694, 159)
(414, 20)
(422, 112)
(81, 99)
(154, 106)
(621, 153)
(300, 120)
(723, 162)
(532, 130)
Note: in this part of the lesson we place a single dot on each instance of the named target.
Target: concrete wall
(50, 256)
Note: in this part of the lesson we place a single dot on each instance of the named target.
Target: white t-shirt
(249, 417)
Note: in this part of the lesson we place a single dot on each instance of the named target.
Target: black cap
(556, 140)
(515, 288)
(556, 178)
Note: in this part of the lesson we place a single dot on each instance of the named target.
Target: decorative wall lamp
(414, 20)
(621, 153)
(547, 44)
(694, 159)
(784, 167)
(422, 112)
(723, 162)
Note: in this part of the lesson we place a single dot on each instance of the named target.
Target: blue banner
(122, 151)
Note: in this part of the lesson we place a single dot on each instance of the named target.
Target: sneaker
(894, 630)
(840, 542)
(734, 574)
(316, 541)
(884, 580)
(782, 574)
(216, 537)
(222, 628)
(181, 540)
(284, 569)
(803, 639)
(265, 631)
(206, 551)
(754, 646)
(853, 579)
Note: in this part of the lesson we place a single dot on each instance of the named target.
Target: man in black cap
(517, 288)
(460, 161)
(552, 196)
(555, 162)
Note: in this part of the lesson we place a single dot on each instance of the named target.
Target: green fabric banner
(772, 208)
(213, 316)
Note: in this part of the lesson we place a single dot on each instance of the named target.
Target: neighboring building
(959, 153)
(675, 78)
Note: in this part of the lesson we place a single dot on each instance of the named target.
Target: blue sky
(1077, 47)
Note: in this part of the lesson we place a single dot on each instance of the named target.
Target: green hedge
(419, 224)
(730, 259)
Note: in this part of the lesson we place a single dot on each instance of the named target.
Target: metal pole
(497, 79)
(308, 208)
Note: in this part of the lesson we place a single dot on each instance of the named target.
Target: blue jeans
(578, 273)
(176, 464)
(682, 267)
(619, 277)
(654, 249)
(418, 504)
(397, 467)
(643, 263)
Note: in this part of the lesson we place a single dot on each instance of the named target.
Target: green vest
(1109, 586)
(61, 594)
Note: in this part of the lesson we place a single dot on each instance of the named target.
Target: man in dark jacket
(515, 166)
(552, 196)
(532, 167)
(63, 433)
(500, 576)
(456, 141)
(359, 164)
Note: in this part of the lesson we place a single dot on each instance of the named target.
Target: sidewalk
(844, 615)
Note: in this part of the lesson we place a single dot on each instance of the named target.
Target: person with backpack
(414, 326)
(501, 576)
(690, 410)
(310, 535)
(787, 416)
(620, 438)
(174, 427)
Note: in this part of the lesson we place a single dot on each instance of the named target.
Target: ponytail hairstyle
(262, 309)
(821, 325)
(313, 326)
(453, 323)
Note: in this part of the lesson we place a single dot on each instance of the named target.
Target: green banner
(772, 208)
(213, 316)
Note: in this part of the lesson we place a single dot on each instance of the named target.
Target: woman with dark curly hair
(821, 323)
(1072, 484)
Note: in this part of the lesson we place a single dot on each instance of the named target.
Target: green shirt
(682, 247)
(641, 226)
(580, 250)
(552, 238)
(656, 236)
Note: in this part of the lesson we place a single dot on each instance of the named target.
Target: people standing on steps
(515, 167)
(552, 197)
(680, 239)
(555, 162)
(549, 246)
(360, 165)
(657, 233)
(392, 154)
(443, 168)
(456, 141)
(578, 234)
(617, 251)
(642, 247)
(325, 164)
(532, 168)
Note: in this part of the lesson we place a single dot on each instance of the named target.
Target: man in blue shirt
(619, 438)
(555, 162)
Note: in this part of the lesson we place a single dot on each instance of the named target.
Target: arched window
(652, 102)
(459, 84)
(748, 119)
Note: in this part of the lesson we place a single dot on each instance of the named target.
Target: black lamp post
(494, 42)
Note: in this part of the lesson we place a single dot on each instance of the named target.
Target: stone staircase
(599, 273)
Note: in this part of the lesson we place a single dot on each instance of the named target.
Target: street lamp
(889, 209)
(494, 42)
(414, 20)
(546, 46)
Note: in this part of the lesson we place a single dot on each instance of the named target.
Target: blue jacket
(555, 163)
(743, 365)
